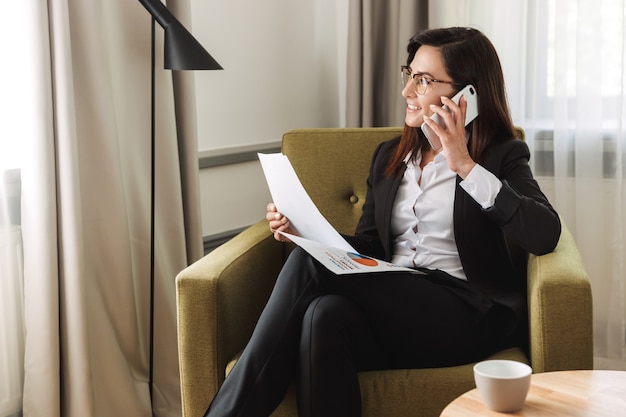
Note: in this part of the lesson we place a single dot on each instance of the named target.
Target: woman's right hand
(278, 223)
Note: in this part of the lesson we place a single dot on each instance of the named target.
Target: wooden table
(551, 394)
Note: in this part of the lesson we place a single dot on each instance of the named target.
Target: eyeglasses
(421, 81)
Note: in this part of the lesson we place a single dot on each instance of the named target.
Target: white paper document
(343, 262)
(315, 234)
(294, 202)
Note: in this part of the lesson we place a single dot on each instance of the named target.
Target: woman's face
(429, 62)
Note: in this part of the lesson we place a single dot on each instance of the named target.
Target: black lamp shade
(182, 50)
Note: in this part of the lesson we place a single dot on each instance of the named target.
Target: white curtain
(565, 67)
(17, 64)
(82, 96)
(576, 113)
(11, 291)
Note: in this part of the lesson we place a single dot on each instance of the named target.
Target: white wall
(280, 60)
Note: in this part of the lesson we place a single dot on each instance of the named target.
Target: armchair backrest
(333, 165)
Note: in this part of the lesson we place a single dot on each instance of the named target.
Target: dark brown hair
(469, 58)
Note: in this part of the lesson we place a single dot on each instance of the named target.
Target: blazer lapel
(391, 189)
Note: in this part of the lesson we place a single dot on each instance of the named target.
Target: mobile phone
(470, 114)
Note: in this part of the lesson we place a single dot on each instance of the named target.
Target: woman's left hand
(453, 139)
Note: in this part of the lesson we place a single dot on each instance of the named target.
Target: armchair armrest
(219, 299)
(560, 309)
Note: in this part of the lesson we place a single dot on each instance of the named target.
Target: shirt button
(354, 199)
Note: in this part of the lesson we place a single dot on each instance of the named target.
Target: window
(575, 82)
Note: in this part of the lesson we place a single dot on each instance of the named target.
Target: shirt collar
(409, 161)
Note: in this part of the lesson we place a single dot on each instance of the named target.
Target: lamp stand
(152, 200)
(181, 52)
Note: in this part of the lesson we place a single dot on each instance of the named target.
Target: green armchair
(220, 297)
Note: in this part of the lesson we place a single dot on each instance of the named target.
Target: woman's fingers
(277, 223)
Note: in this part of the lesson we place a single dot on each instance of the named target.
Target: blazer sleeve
(521, 209)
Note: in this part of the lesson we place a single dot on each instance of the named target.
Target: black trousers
(322, 329)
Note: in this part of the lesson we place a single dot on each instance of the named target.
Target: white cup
(502, 384)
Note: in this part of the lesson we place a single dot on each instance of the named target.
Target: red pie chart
(363, 260)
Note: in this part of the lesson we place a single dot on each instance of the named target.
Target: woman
(453, 213)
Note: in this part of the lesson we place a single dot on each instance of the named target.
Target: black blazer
(489, 240)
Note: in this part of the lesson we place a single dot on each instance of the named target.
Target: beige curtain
(85, 213)
(378, 33)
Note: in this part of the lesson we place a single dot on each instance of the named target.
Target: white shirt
(422, 216)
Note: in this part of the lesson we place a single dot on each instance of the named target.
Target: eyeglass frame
(405, 70)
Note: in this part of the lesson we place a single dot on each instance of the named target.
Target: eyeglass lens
(419, 81)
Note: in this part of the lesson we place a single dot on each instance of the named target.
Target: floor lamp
(181, 52)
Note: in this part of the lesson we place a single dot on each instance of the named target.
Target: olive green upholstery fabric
(219, 297)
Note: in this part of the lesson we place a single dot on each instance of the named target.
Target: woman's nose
(409, 89)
